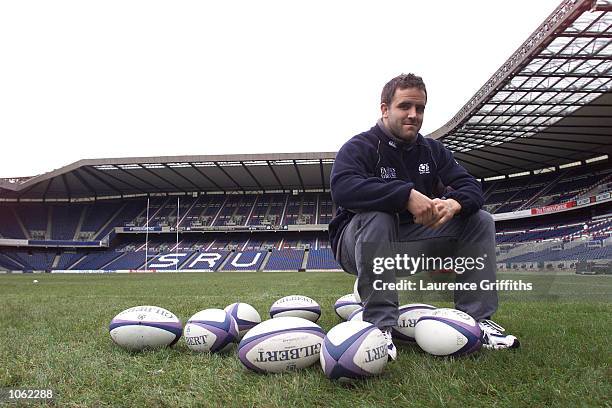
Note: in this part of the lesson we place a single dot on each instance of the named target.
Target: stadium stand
(321, 259)
(67, 259)
(64, 220)
(95, 261)
(83, 222)
(8, 263)
(285, 260)
(10, 226)
(277, 250)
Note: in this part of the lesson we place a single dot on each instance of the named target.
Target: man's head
(402, 104)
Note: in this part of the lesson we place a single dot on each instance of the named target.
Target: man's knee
(483, 220)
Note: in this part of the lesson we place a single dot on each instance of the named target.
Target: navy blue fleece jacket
(376, 172)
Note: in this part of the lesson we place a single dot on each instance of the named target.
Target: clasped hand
(431, 213)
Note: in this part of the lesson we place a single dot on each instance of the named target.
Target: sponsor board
(140, 229)
(85, 271)
(553, 208)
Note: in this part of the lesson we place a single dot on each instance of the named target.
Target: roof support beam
(97, 174)
(92, 191)
(230, 177)
(297, 170)
(22, 193)
(275, 175)
(159, 177)
(181, 176)
(44, 197)
(252, 176)
(140, 179)
(322, 174)
(67, 187)
(211, 181)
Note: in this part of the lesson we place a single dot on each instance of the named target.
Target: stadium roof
(550, 104)
(178, 174)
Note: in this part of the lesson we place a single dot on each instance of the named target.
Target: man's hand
(447, 209)
(422, 208)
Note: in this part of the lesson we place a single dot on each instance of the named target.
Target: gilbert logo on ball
(245, 315)
(448, 332)
(296, 306)
(142, 327)
(281, 344)
(353, 350)
(408, 316)
(210, 330)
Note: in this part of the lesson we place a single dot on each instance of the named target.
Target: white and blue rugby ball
(143, 327)
(281, 344)
(353, 350)
(210, 330)
(345, 305)
(448, 332)
(245, 315)
(408, 316)
(357, 315)
(296, 306)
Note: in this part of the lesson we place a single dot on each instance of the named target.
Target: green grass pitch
(54, 334)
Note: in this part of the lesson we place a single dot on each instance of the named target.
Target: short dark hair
(402, 81)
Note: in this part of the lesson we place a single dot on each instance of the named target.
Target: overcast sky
(84, 79)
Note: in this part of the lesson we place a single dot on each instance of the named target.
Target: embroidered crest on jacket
(388, 173)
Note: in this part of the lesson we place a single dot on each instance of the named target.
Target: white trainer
(391, 349)
(493, 337)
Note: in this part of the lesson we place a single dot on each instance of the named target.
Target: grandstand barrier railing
(52, 243)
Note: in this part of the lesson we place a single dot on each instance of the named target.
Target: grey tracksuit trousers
(470, 236)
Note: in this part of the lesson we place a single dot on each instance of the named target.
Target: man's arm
(467, 191)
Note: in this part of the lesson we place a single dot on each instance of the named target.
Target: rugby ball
(353, 350)
(210, 330)
(448, 332)
(357, 315)
(281, 344)
(142, 327)
(346, 305)
(408, 316)
(245, 315)
(296, 306)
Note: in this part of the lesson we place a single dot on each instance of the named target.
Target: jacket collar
(388, 138)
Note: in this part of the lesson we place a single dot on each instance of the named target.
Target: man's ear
(384, 110)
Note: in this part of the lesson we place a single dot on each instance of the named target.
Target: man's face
(404, 116)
